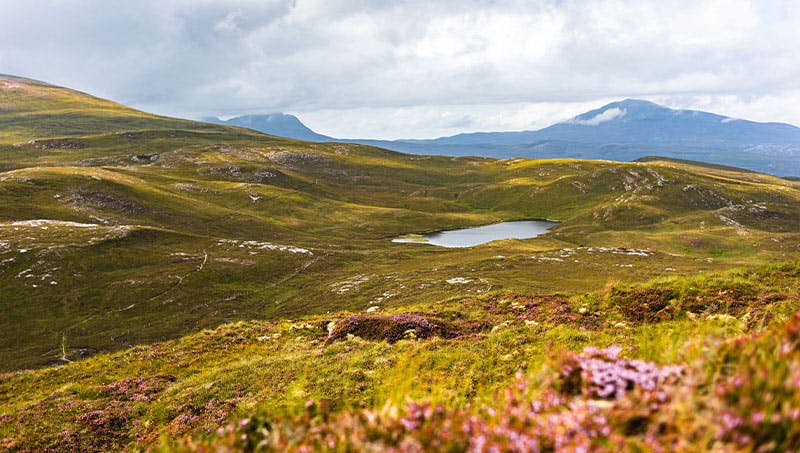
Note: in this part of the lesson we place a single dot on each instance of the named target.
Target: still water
(469, 237)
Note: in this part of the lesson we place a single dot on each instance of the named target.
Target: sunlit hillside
(174, 285)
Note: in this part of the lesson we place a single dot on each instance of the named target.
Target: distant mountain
(622, 131)
(280, 124)
(630, 129)
(643, 123)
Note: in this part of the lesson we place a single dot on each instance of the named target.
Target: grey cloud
(206, 57)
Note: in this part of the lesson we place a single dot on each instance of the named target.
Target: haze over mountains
(624, 130)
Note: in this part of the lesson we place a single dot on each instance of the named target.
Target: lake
(470, 237)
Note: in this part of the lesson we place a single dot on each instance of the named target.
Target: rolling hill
(31, 109)
(175, 285)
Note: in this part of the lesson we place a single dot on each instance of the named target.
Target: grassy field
(457, 352)
(214, 259)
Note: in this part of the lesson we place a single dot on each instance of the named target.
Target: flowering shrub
(555, 309)
(599, 402)
(600, 373)
(573, 420)
(644, 305)
(190, 416)
(100, 428)
(758, 395)
(139, 388)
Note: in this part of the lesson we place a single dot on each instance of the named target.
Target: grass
(344, 208)
(194, 269)
(272, 368)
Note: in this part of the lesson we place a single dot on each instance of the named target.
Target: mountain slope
(281, 385)
(30, 109)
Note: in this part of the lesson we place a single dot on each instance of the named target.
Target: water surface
(470, 237)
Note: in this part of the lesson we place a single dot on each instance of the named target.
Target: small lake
(470, 237)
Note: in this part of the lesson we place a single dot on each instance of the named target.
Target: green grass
(207, 244)
(208, 184)
(275, 367)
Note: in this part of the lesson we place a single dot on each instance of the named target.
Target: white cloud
(602, 117)
(441, 120)
(487, 63)
(229, 24)
(780, 107)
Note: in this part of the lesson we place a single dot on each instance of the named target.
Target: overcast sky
(391, 69)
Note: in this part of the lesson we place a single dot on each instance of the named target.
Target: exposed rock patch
(293, 158)
(391, 328)
(353, 283)
(254, 246)
(85, 197)
(243, 174)
(55, 144)
(144, 158)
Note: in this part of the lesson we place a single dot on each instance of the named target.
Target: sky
(413, 69)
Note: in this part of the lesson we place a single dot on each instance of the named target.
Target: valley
(214, 263)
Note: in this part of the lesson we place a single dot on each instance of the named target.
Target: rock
(458, 280)
(391, 328)
(144, 158)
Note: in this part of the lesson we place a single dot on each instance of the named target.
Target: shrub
(519, 422)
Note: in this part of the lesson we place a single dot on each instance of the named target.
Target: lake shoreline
(477, 235)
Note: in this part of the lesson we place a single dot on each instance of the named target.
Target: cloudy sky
(391, 69)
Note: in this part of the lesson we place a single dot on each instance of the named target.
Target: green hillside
(238, 275)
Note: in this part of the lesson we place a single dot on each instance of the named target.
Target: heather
(595, 401)
(171, 285)
(535, 372)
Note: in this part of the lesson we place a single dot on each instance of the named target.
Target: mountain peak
(636, 103)
(625, 110)
(276, 117)
(276, 123)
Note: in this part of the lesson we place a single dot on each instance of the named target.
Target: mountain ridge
(629, 109)
(622, 130)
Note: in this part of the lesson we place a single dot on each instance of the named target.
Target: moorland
(176, 285)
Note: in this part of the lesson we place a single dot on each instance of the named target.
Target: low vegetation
(532, 372)
(172, 285)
